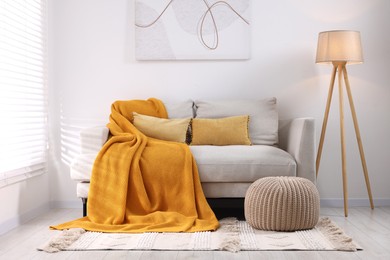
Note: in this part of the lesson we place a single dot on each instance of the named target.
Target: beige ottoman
(282, 204)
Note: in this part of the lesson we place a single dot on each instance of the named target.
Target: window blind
(23, 95)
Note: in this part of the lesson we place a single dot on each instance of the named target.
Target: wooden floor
(370, 229)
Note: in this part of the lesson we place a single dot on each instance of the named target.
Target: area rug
(233, 236)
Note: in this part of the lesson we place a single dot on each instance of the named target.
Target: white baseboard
(23, 218)
(72, 204)
(27, 216)
(339, 203)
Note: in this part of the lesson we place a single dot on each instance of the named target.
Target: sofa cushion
(220, 131)
(263, 123)
(160, 128)
(180, 109)
(241, 163)
(225, 189)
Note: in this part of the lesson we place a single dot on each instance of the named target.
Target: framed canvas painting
(192, 29)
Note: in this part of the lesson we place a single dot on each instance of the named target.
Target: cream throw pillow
(220, 131)
(182, 109)
(160, 128)
(263, 125)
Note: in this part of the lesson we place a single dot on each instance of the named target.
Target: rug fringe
(64, 240)
(232, 242)
(336, 235)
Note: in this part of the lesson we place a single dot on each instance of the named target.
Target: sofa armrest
(93, 138)
(297, 137)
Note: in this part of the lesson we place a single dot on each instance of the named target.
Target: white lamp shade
(339, 46)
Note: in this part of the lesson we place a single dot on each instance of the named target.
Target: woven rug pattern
(233, 236)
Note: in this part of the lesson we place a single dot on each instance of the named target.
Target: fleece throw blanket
(140, 184)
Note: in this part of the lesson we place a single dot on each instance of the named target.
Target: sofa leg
(84, 200)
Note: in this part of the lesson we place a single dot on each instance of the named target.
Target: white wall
(23, 201)
(92, 64)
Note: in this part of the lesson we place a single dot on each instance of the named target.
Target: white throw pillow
(263, 116)
(183, 109)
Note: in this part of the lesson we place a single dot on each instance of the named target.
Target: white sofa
(226, 171)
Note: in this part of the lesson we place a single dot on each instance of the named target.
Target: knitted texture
(282, 204)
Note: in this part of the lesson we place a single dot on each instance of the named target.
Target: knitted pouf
(282, 204)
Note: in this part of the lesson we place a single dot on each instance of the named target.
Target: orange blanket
(140, 184)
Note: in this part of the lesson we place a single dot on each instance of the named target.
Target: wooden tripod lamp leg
(325, 121)
(342, 135)
(359, 140)
(341, 69)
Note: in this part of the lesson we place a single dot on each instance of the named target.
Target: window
(23, 95)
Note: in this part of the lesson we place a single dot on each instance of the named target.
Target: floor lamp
(341, 48)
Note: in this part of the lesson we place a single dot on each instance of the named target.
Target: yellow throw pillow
(220, 131)
(160, 128)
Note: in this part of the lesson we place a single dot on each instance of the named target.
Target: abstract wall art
(192, 29)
